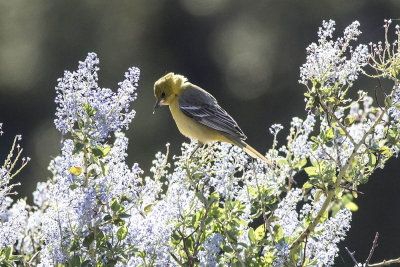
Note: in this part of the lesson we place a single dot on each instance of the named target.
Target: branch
(195, 251)
(304, 253)
(352, 256)
(190, 258)
(385, 262)
(371, 252)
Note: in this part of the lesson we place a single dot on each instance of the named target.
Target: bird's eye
(162, 94)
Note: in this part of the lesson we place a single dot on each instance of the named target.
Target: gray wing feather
(203, 107)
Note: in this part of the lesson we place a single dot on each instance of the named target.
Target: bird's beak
(157, 105)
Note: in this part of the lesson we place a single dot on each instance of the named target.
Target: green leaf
(260, 232)
(392, 138)
(324, 217)
(371, 160)
(227, 249)
(86, 263)
(75, 246)
(147, 208)
(175, 238)
(349, 120)
(314, 146)
(88, 240)
(122, 232)
(194, 220)
(107, 217)
(89, 109)
(124, 215)
(114, 205)
(189, 243)
(240, 220)
(97, 152)
(118, 222)
(216, 212)
(311, 171)
(9, 251)
(251, 235)
(103, 167)
(78, 148)
(75, 261)
(278, 233)
(351, 206)
(330, 134)
(209, 220)
(111, 264)
(15, 258)
(106, 150)
(307, 185)
(301, 163)
(99, 235)
(73, 186)
(213, 196)
(125, 198)
(81, 124)
(388, 101)
(232, 234)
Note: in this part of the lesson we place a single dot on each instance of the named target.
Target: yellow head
(167, 88)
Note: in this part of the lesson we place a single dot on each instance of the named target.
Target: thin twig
(304, 252)
(196, 247)
(190, 258)
(371, 252)
(376, 98)
(352, 256)
(385, 262)
(351, 190)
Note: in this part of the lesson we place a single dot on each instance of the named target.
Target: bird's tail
(255, 154)
(249, 150)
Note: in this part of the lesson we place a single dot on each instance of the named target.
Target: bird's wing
(198, 104)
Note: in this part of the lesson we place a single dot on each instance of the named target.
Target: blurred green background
(246, 53)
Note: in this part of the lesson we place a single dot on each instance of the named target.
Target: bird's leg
(197, 147)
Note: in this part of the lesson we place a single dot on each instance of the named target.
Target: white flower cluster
(80, 100)
(12, 216)
(301, 146)
(330, 62)
(211, 249)
(12, 220)
(321, 246)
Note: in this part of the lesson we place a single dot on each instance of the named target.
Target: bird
(198, 115)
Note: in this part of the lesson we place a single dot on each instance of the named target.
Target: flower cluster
(213, 206)
(326, 61)
(81, 101)
(13, 216)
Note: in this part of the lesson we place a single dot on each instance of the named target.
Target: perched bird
(198, 115)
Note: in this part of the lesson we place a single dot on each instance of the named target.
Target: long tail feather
(255, 154)
(248, 149)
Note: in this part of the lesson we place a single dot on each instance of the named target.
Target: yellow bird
(198, 115)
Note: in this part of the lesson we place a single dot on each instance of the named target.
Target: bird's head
(167, 88)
